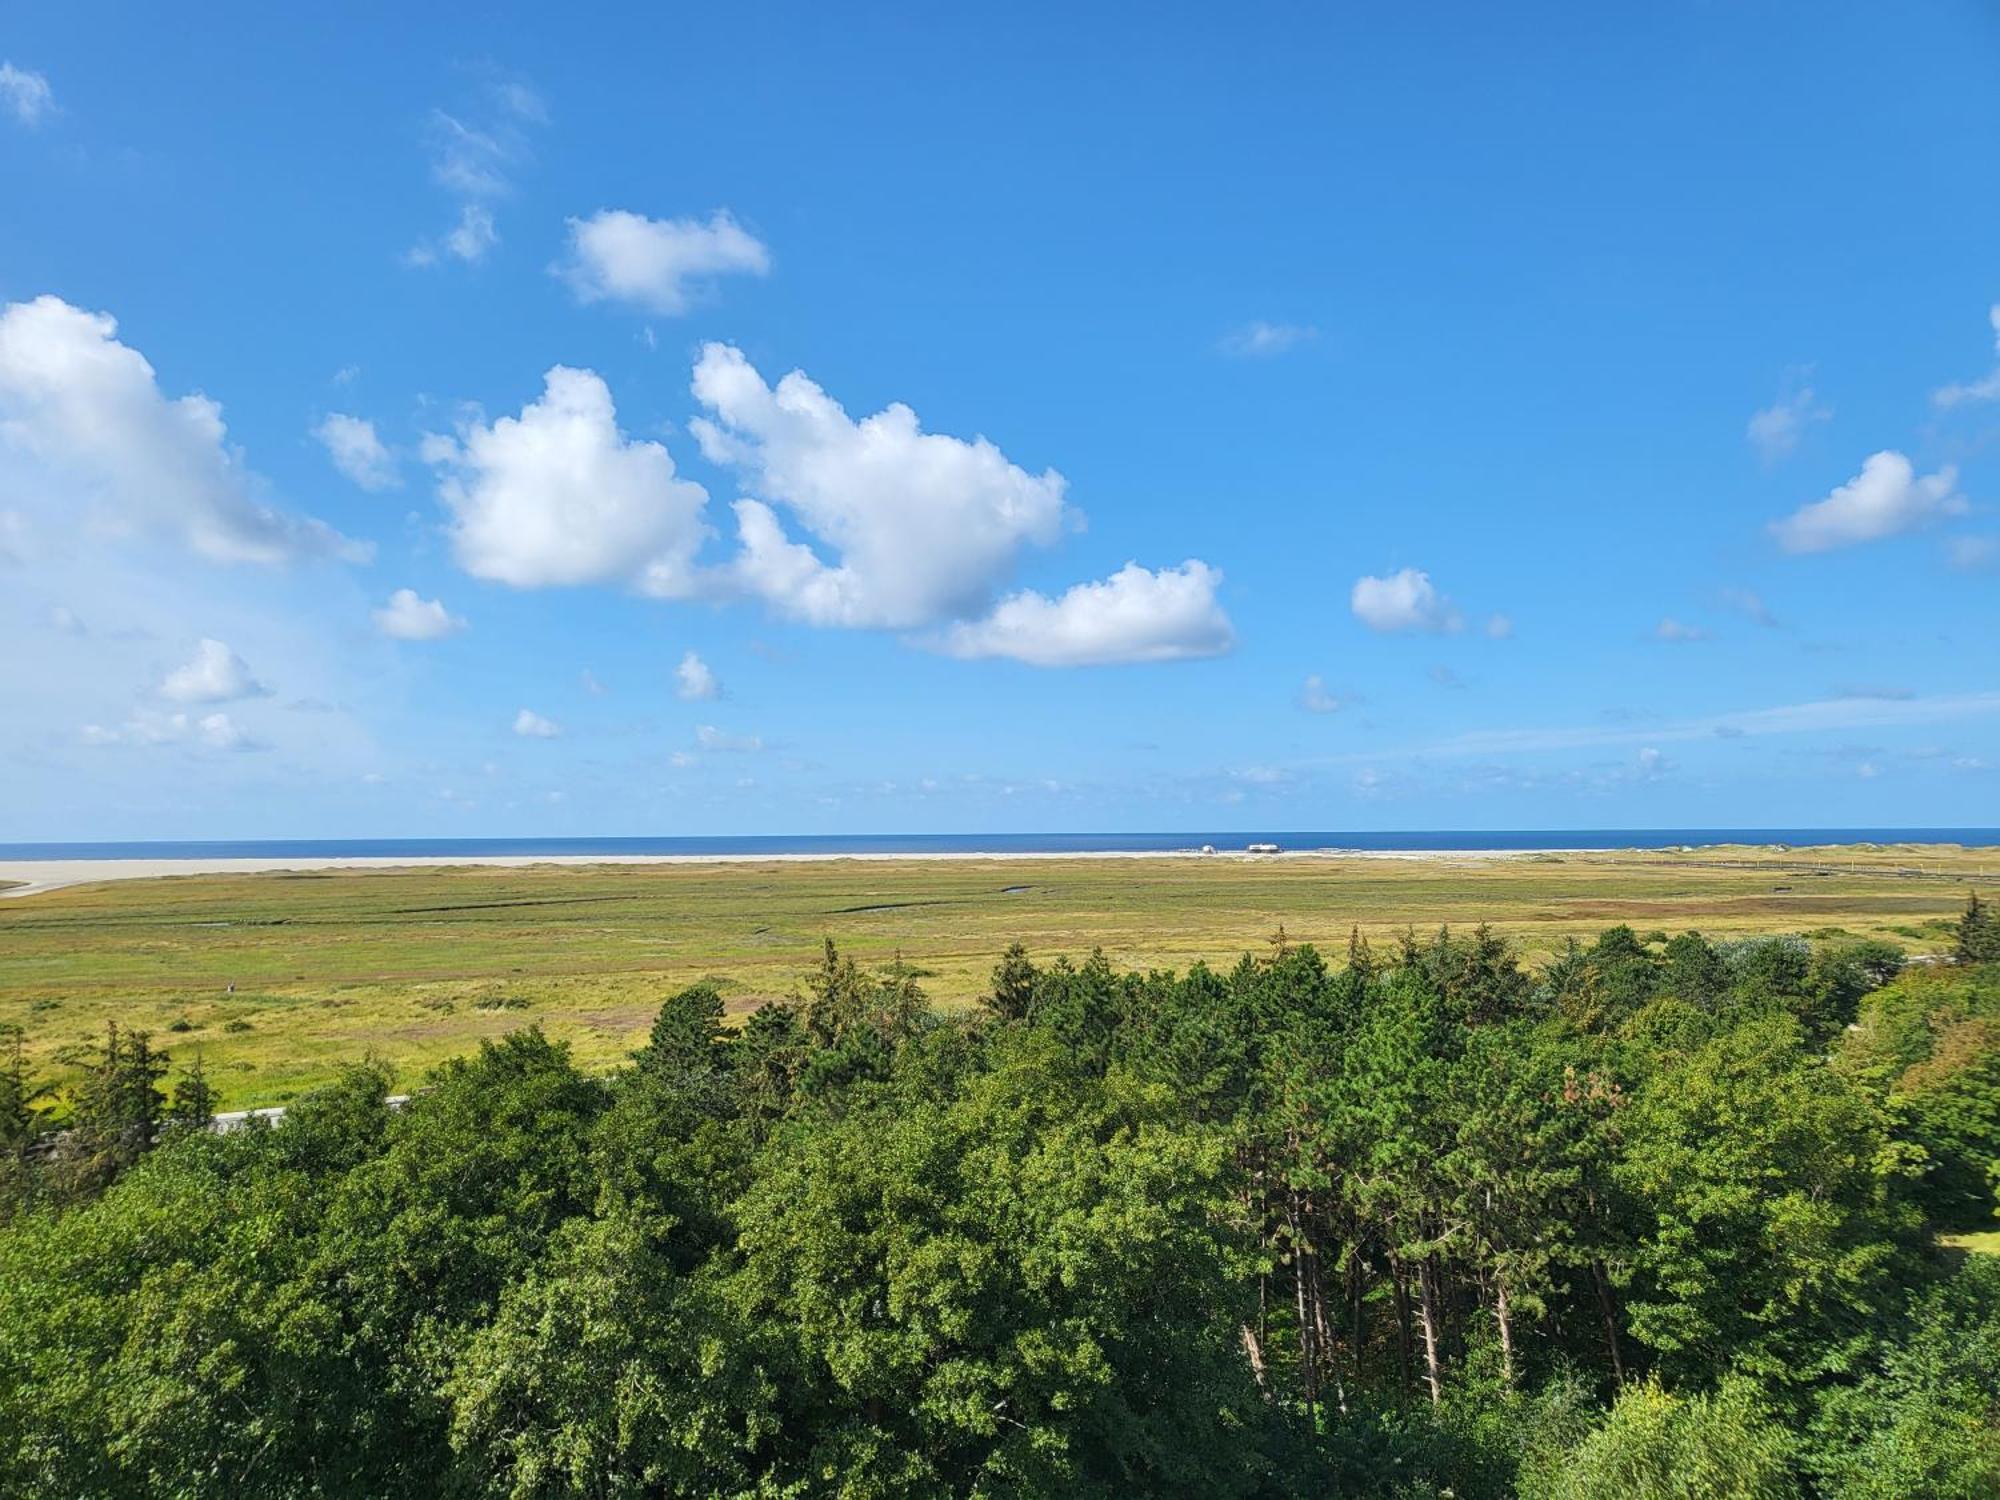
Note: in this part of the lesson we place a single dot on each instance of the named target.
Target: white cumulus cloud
(1403, 601)
(409, 617)
(558, 495)
(694, 682)
(532, 726)
(656, 265)
(26, 94)
(216, 674)
(1135, 615)
(356, 450)
(924, 526)
(86, 431)
(1886, 498)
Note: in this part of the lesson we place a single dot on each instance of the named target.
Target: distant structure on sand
(1260, 849)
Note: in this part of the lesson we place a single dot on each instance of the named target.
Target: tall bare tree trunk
(1307, 1380)
(1354, 1340)
(1254, 1348)
(1504, 1316)
(1427, 1294)
(1323, 1333)
(1400, 1278)
(1609, 1313)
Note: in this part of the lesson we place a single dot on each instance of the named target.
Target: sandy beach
(39, 875)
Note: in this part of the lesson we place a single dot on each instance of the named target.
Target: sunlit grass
(277, 979)
(1982, 1242)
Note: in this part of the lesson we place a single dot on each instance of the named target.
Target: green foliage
(1400, 1227)
(1925, 1418)
(1655, 1445)
(116, 1115)
(1766, 1190)
(1929, 1045)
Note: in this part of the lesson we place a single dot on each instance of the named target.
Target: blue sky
(1269, 416)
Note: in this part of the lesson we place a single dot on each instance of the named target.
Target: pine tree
(194, 1100)
(19, 1123)
(1978, 933)
(118, 1110)
(1013, 985)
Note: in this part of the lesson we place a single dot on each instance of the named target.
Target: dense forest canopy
(1661, 1219)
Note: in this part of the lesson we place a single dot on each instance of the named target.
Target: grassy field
(276, 979)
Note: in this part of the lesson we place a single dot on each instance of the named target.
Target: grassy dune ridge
(415, 965)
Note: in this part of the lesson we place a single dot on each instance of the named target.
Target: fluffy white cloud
(694, 682)
(356, 451)
(26, 94)
(1987, 388)
(710, 738)
(409, 617)
(215, 675)
(1261, 340)
(1403, 601)
(1885, 498)
(924, 526)
(1315, 698)
(656, 264)
(1775, 431)
(85, 431)
(558, 495)
(532, 726)
(1134, 615)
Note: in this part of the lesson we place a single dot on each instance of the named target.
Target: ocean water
(997, 843)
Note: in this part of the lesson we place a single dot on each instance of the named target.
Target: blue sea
(998, 843)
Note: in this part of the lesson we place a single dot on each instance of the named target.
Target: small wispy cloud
(1986, 388)
(532, 726)
(708, 737)
(1776, 430)
(694, 682)
(473, 157)
(1970, 553)
(26, 95)
(1678, 631)
(1750, 605)
(1261, 340)
(357, 450)
(1316, 698)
